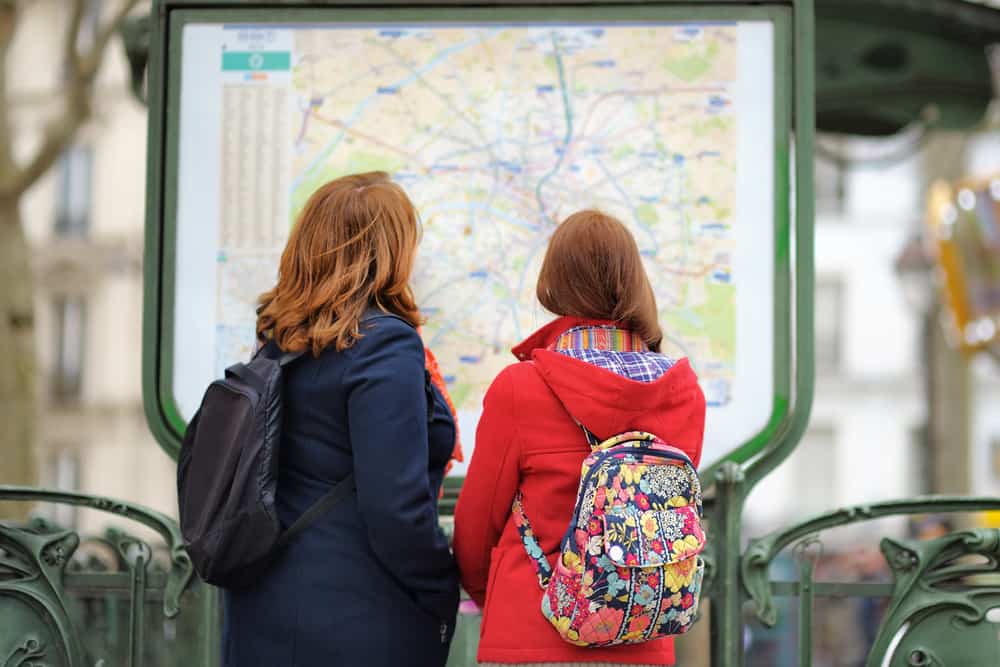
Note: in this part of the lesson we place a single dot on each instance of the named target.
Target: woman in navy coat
(373, 582)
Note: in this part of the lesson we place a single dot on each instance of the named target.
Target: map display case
(498, 122)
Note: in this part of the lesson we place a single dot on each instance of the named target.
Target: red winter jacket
(527, 440)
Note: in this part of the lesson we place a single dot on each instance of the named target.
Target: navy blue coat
(373, 582)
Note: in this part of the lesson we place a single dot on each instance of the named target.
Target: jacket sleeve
(387, 420)
(490, 485)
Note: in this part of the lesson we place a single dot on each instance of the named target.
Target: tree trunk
(18, 395)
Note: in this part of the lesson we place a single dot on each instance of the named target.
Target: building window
(62, 472)
(73, 203)
(830, 177)
(816, 471)
(70, 339)
(920, 461)
(829, 305)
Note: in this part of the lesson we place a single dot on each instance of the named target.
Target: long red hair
(352, 248)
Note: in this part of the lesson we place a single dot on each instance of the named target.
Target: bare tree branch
(81, 71)
(8, 21)
(91, 62)
(57, 137)
(73, 32)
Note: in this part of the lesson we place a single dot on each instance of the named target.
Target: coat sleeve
(387, 420)
(490, 485)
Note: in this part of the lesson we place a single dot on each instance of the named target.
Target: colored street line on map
(241, 61)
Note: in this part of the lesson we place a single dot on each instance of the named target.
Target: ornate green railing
(944, 602)
(107, 601)
(115, 600)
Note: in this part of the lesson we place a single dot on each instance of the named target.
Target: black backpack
(227, 474)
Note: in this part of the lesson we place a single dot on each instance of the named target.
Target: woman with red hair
(372, 582)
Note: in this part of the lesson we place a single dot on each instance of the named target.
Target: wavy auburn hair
(592, 269)
(351, 248)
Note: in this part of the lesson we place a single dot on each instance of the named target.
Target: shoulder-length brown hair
(592, 269)
(351, 248)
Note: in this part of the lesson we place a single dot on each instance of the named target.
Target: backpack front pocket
(653, 538)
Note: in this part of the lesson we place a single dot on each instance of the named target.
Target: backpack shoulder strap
(542, 568)
(270, 350)
(375, 314)
(339, 492)
(347, 485)
(289, 357)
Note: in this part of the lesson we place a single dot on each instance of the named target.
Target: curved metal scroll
(761, 551)
(35, 623)
(181, 569)
(940, 614)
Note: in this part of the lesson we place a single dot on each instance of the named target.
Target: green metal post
(727, 600)
(111, 611)
(211, 626)
(137, 617)
(805, 611)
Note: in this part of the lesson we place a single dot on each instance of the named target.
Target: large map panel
(497, 133)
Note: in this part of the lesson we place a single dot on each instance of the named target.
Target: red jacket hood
(671, 407)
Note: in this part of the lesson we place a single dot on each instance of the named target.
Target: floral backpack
(629, 569)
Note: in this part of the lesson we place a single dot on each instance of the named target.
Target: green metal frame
(36, 588)
(163, 92)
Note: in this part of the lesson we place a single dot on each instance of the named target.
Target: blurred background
(907, 296)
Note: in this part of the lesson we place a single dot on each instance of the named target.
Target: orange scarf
(430, 362)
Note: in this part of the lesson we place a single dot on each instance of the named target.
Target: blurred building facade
(871, 435)
(85, 224)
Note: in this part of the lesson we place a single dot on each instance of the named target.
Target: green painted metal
(929, 583)
(805, 612)
(135, 34)
(36, 623)
(761, 551)
(884, 64)
(211, 610)
(181, 570)
(138, 599)
(152, 280)
(833, 589)
(942, 610)
(43, 584)
(722, 564)
(806, 559)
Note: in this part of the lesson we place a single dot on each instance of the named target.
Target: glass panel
(70, 319)
(65, 476)
(73, 205)
(816, 477)
(829, 318)
(830, 181)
